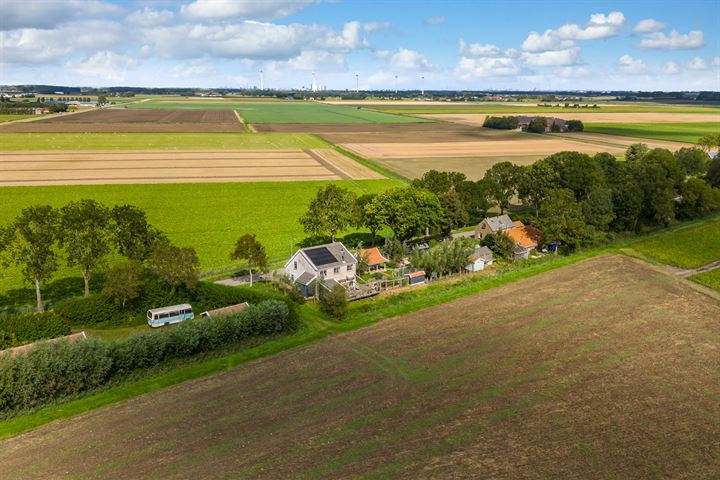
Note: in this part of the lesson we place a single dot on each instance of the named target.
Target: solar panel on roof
(320, 256)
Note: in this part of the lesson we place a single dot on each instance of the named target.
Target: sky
(448, 45)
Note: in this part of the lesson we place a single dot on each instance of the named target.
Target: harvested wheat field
(474, 168)
(130, 120)
(107, 167)
(588, 117)
(399, 128)
(625, 142)
(603, 369)
(541, 146)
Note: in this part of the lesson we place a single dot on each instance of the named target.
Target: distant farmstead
(525, 237)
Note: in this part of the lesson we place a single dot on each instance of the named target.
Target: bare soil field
(622, 141)
(603, 369)
(540, 147)
(360, 127)
(597, 117)
(440, 135)
(130, 120)
(189, 166)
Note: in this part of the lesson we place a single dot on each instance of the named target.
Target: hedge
(501, 123)
(20, 328)
(49, 372)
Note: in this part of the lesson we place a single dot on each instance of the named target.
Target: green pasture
(517, 107)
(679, 132)
(209, 217)
(710, 279)
(150, 141)
(690, 247)
(289, 111)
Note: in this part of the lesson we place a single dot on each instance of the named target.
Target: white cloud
(473, 68)
(671, 68)
(553, 58)
(628, 64)
(675, 41)
(148, 17)
(410, 60)
(600, 26)
(649, 25)
(439, 20)
(247, 9)
(696, 63)
(18, 14)
(316, 60)
(376, 26)
(573, 72)
(548, 41)
(475, 50)
(190, 69)
(716, 61)
(105, 65)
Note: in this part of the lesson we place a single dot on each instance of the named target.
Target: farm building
(375, 259)
(328, 263)
(230, 309)
(524, 123)
(74, 337)
(416, 278)
(481, 258)
(524, 237)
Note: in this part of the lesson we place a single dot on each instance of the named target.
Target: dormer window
(295, 265)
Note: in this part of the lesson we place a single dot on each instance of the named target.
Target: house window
(336, 270)
(349, 268)
(324, 273)
(294, 265)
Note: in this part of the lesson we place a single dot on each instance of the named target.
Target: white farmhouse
(327, 263)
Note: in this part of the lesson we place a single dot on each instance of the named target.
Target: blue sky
(658, 45)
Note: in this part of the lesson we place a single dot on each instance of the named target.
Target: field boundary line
(337, 171)
(370, 164)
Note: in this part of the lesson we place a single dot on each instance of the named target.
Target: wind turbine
(262, 84)
(357, 83)
(396, 85)
(422, 86)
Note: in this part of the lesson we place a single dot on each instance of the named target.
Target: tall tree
(29, 243)
(85, 236)
(178, 266)
(133, 236)
(454, 214)
(407, 211)
(713, 174)
(561, 219)
(698, 199)
(710, 142)
(500, 244)
(635, 152)
(597, 209)
(329, 212)
(694, 161)
(367, 215)
(578, 172)
(501, 183)
(658, 188)
(534, 183)
(248, 248)
(123, 282)
(475, 199)
(440, 182)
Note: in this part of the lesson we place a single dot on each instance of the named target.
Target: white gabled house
(480, 258)
(327, 263)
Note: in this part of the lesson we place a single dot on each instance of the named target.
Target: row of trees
(87, 232)
(573, 198)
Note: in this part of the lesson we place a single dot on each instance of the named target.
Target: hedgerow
(51, 371)
(20, 328)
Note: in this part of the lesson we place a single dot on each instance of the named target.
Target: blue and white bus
(159, 317)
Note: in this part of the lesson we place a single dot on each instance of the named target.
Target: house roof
(305, 278)
(483, 253)
(524, 236)
(419, 273)
(499, 223)
(218, 312)
(329, 255)
(373, 255)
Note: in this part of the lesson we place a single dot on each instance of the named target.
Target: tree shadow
(52, 293)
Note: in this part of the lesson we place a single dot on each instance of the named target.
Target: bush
(575, 126)
(20, 328)
(501, 123)
(92, 310)
(53, 371)
(334, 302)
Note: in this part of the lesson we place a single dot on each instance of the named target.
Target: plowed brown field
(594, 117)
(107, 167)
(603, 369)
(129, 120)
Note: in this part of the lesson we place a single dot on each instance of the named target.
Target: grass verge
(710, 279)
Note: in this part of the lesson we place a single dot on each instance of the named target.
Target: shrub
(52, 371)
(501, 123)
(575, 126)
(20, 328)
(334, 302)
(92, 310)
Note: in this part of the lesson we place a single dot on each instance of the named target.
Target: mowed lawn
(209, 217)
(709, 279)
(602, 369)
(679, 132)
(167, 141)
(689, 247)
(290, 112)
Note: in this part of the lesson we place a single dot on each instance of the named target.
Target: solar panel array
(320, 256)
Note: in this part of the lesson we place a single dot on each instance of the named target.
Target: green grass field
(689, 247)
(151, 141)
(512, 107)
(709, 279)
(209, 217)
(679, 132)
(10, 118)
(287, 112)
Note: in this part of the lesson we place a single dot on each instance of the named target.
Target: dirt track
(130, 120)
(596, 117)
(604, 369)
(106, 167)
